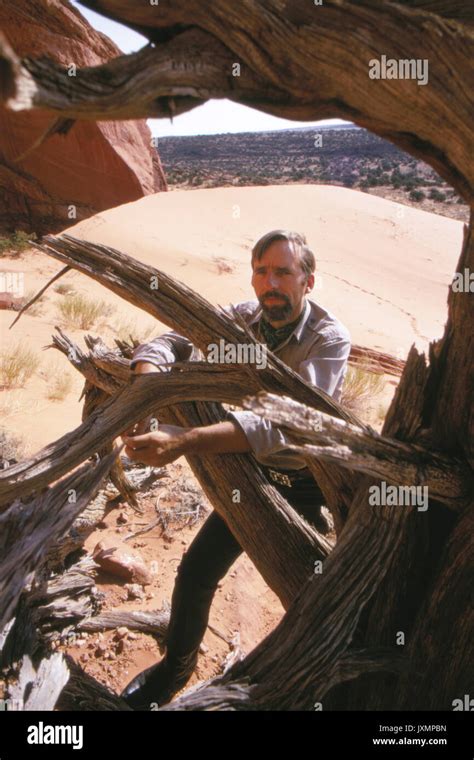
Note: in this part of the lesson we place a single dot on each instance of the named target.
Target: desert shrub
(59, 387)
(16, 243)
(82, 312)
(417, 195)
(12, 448)
(360, 387)
(437, 195)
(17, 365)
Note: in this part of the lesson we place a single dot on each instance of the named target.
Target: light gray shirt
(317, 349)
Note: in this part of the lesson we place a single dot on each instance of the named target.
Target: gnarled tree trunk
(386, 624)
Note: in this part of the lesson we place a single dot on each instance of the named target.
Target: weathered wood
(287, 54)
(82, 692)
(168, 300)
(28, 531)
(447, 479)
(40, 689)
(66, 599)
(154, 622)
(93, 398)
(285, 561)
(440, 649)
(378, 362)
(146, 395)
(82, 527)
(389, 567)
(221, 476)
(138, 283)
(303, 658)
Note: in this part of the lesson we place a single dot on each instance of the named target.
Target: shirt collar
(298, 331)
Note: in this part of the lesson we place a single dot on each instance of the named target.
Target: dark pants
(209, 557)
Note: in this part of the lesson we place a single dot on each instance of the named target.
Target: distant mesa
(95, 166)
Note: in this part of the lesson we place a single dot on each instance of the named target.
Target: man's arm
(325, 369)
(171, 346)
(171, 441)
(164, 349)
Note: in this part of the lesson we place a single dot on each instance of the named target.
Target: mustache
(274, 294)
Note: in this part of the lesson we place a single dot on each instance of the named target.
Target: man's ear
(310, 283)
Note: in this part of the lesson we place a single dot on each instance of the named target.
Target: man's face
(280, 283)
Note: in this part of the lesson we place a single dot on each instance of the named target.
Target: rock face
(95, 166)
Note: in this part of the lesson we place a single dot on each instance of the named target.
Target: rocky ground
(245, 610)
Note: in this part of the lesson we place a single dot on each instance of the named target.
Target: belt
(290, 477)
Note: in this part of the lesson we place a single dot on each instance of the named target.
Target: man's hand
(158, 448)
(139, 428)
(172, 441)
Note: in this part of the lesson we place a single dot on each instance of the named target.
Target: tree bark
(286, 54)
(394, 573)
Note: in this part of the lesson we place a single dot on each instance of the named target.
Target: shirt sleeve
(325, 369)
(173, 347)
(169, 347)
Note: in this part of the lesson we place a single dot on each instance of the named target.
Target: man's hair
(298, 242)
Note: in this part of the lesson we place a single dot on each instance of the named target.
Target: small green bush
(16, 243)
(437, 195)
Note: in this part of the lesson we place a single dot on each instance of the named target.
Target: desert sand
(383, 269)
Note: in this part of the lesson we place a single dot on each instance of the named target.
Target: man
(308, 339)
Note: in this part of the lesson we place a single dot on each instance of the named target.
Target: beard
(275, 312)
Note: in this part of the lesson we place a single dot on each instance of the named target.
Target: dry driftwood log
(394, 570)
(449, 481)
(385, 543)
(151, 621)
(39, 689)
(82, 692)
(29, 530)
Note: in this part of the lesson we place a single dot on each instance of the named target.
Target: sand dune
(385, 275)
(383, 269)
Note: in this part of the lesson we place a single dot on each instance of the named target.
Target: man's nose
(272, 280)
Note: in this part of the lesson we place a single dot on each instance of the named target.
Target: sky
(215, 116)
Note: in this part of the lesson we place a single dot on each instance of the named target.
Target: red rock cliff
(96, 165)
